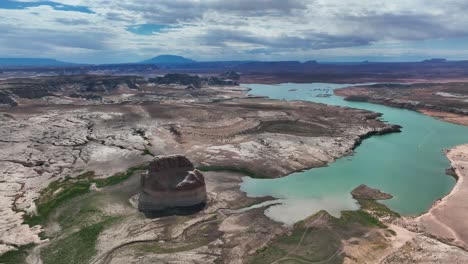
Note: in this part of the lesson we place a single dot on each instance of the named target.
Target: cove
(409, 165)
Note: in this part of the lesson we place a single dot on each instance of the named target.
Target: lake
(409, 165)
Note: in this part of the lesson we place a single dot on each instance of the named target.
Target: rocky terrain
(70, 167)
(365, 192)
(448, 101)
(171, 182)
(56, 147)
(93, 89)
(195, 81)
(84, 86)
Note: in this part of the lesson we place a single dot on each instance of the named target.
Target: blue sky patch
(148, 29)
(8, 4)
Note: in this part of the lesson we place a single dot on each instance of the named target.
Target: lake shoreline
(445, 219)
(363, 94)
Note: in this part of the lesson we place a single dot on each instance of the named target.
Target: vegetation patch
(199, 236)
(147, 152)
(377, 209)
(17, 256)
(64, 190)
(358, 217)
(306, 245)
(119, 177)
(318, 239)
(79, 247)
(53, 196)
(80, 214)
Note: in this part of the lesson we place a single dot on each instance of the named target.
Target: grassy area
(200, 235)
(64, 190)
(147, 152)
(81, 213)
(119, 177)
(268, 255)
(318, 238)
(16, 257)
(358, 217)
(377, 208)
(317, 245)
(53, 196)
(79, 247)
(75, 214)
(241, 170)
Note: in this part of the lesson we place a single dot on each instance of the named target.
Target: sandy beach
(446, 220)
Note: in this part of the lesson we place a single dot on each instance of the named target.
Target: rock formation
(178, 78)
(171, 182)
(365, 192)
(7, 100)
(196, 81)
(76, 86)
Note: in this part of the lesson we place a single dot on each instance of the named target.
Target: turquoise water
(409, 165)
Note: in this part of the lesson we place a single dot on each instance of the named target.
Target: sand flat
(447, 218)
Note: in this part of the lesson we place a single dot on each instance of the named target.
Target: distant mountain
(168, 59)
(17, 62)
(436, 60)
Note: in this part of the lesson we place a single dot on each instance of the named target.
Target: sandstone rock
(171, 181)
(178, 78)
(365, 192)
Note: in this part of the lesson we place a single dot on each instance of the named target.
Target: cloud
(23, 4)
(402, 27)
(130, 30)
(72, 21)
(308, 40)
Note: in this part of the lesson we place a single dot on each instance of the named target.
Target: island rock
(171, 182)
(365, 192)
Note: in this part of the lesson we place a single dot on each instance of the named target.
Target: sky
(113, 31)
